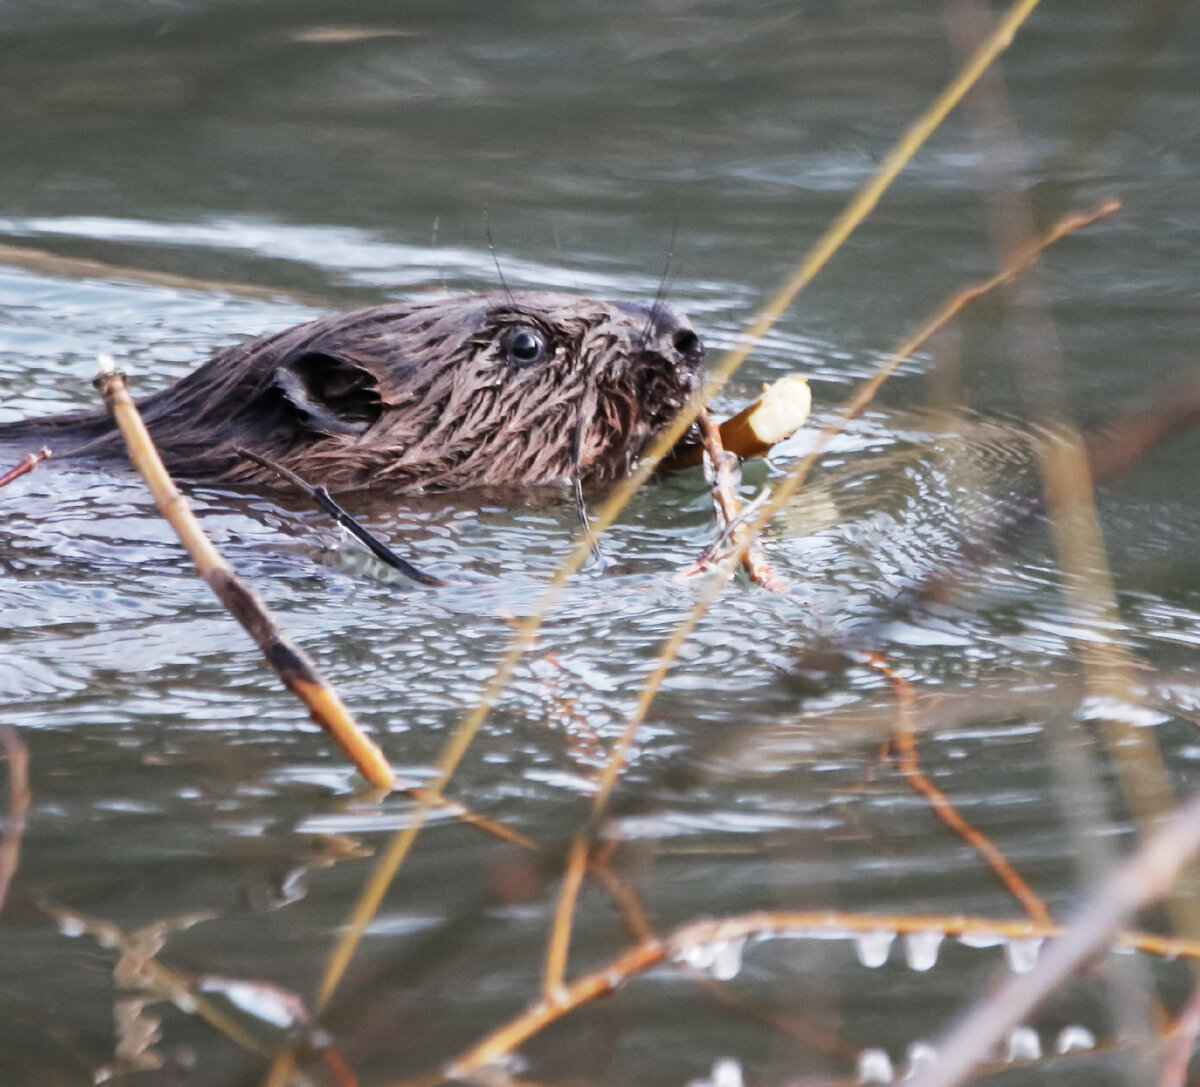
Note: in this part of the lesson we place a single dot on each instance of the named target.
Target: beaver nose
(667, 329)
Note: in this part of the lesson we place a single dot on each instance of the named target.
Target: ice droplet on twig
(875, 1066)
(700, 956)
(1022, 955)
(1074, 1037)
(726, 1072)
(921, 949)
(1023, 1045)
(727, 962)
(873, 947)
(921, 1055)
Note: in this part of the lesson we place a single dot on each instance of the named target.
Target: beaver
(513, 387)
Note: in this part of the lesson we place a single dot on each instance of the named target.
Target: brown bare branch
(26, 465)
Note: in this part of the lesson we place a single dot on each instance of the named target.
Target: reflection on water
(329, 158)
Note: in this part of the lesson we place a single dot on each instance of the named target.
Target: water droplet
(921, 1055)
(1023, 1045)
(873, 947)
(1022, 955)
(1074, 1037)
(727, 961)
(921, 949)
(875, 1066)
(699, 956)
(726, 1072)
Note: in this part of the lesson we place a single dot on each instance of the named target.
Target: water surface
(327, 156)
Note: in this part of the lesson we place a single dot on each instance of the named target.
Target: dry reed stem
(1143, 878)
(19, 798)
(289, 661)
(825, 247)
(1181, 1043)
(26, 465)
(794, 924)
(904, 743)
(1108, 665)
(1070, 470)
(44, 262)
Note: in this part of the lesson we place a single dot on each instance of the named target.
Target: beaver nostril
(687, 343)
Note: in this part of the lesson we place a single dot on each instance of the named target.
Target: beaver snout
(668, 333)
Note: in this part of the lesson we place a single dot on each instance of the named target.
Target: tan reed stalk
(19, 797)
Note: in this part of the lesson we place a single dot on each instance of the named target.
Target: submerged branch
(321, 497)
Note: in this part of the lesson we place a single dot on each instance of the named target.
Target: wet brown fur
(420, 396)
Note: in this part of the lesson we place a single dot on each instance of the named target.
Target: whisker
(487, 228)
(587, 405)
(664, 284)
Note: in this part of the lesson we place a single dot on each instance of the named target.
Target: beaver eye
(523, 346)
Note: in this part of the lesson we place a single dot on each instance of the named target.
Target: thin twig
(289, 661)
(53, 264)
(19, 797)
(24, 466)
(905, 745)
(729, 506)
(322, 498)
(776, 415)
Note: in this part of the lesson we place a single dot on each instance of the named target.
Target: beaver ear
(336, 394)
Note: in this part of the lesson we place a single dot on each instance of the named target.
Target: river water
(299, 157)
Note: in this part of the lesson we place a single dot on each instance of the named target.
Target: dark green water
(338, 154)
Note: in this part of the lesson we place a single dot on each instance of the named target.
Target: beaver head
(512, 387)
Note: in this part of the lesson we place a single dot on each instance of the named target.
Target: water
(313, 156)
